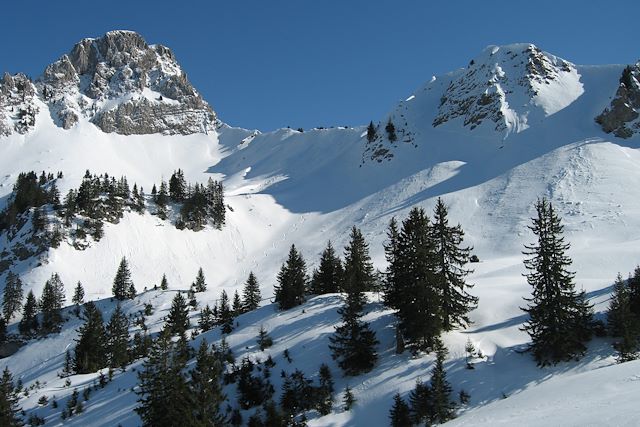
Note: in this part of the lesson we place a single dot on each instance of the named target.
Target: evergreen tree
(353, 344)
(206, 388)
(200, 285)
(391, 131)
(328, 278)
(178, 318)
(161, 199)
(236, 305)
(51, 303)
(225, 314)
(117, 346)
(421, 403)
(372, 134)
(207, 319)
(559, 317)
(90, 354)
(264, 340)
(29, 322)
(164, 284)
(450, 270)
(12, 297)
(9, 406)
(165, 399)
(292, 281)
(251, 293)
(122, 283)
(3, 331)
(400, 414)
(634, 292)
(177, 186)
(623, 323)
(443, 407)
(325, 391)
(78, 294)
(348, 399)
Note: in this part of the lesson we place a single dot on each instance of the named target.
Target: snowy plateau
(514, 125)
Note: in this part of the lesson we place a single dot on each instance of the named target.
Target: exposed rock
(621, 117)
(17, 104)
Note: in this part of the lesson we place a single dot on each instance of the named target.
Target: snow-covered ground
(287, 187)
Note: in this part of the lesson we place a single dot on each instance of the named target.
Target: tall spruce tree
(399, 414)
(559, 317)
(122, 283)
(117, 335)
(78, 294)
(450, 271)
(51, 302)
(178, 318)
(622, 322)
(251, 293)
(292, 281)
(9, 406)
(421, 403)
(442, 405)
(206, 388)
(29, 322)
(12, 297)
(200, 285)
(328, 278)
(90, 354)
(353, 343)
(225, 313)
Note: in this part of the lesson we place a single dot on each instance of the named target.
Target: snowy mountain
(514, 125)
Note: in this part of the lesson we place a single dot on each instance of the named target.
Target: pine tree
(178, 318)
(251, 293)
(325, 391)
(450, 270)
(206, 388)
(292, 281)
(443, 407)
(328, 278)
(90, 354)
(51, 302)
(177, 186)
(236, 305)
(12, 297)
(9, 406)
(353, 343)
(29, 322)
(165, 399)
(421, 403)
(225, 314)
(399, 414)
(164, 284)
(78, 294)
(622, 322)
(122, 282)
(207, 319)
(391, 131)
(264, 340)
(200, 285)
(372, 134)
(634, 292)
(348, 400)
(117, 334)
(559, 317)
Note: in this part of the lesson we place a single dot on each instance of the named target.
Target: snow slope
(305, 188)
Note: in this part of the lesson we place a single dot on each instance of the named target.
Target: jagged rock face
(17, 106)
(505, 85)
(621, 117)
(125, 86)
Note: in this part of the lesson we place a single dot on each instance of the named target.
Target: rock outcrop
(17, 104)
(621, 117)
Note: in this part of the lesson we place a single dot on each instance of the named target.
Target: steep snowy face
(17, 106)
(506, 87)
(621, 117)
(125, 86)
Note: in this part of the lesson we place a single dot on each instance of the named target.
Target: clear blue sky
(268, 64)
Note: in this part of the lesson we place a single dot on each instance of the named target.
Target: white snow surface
(305, 188)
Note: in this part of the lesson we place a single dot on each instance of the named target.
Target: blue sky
(269, 64)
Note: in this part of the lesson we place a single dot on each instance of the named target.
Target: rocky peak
(621, 117)
(504, 86)
(17, 106)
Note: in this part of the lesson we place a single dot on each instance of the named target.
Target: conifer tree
(559, 317)
(29, 322)
(399, 414)
(371, 132)
(251, 293)
(200, 284)
(12, 297)
(236, 305)
(443, 407)
(391, 131)
(264, 340)
(325, 390)
(353, 343)
(207, 319)
(622, 322)
(225, 314)
(165, 399)
(328, 278)
(78, 294)
(450, 272)
(634, 292)
(90, 354)
(9, 406)
(122, 282)
(206, 388)
(348, 399)
(117, 334)
(421, 403)
(292, 281)
(178, 318)
(164, 284)
(51, 302)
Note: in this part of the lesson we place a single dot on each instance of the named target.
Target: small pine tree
(264, 340)
(225, 314)
(348, 400)
(421, 403)
(51, 302)
(372, 134)
(200, 284)
(90, 354)
(206, 388)
(391, 131)
(29, 322)
(292, 281)
(328, 278)
(443, 407)
(207, 319)
(251, 293)
(236, 305)
(122, 283)
(78, 294)
(9, 407)
(117, 332)
(178, 318)
(325, 391)
(622, 322)
(12, 297)
(400, 415)
(164, 284)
